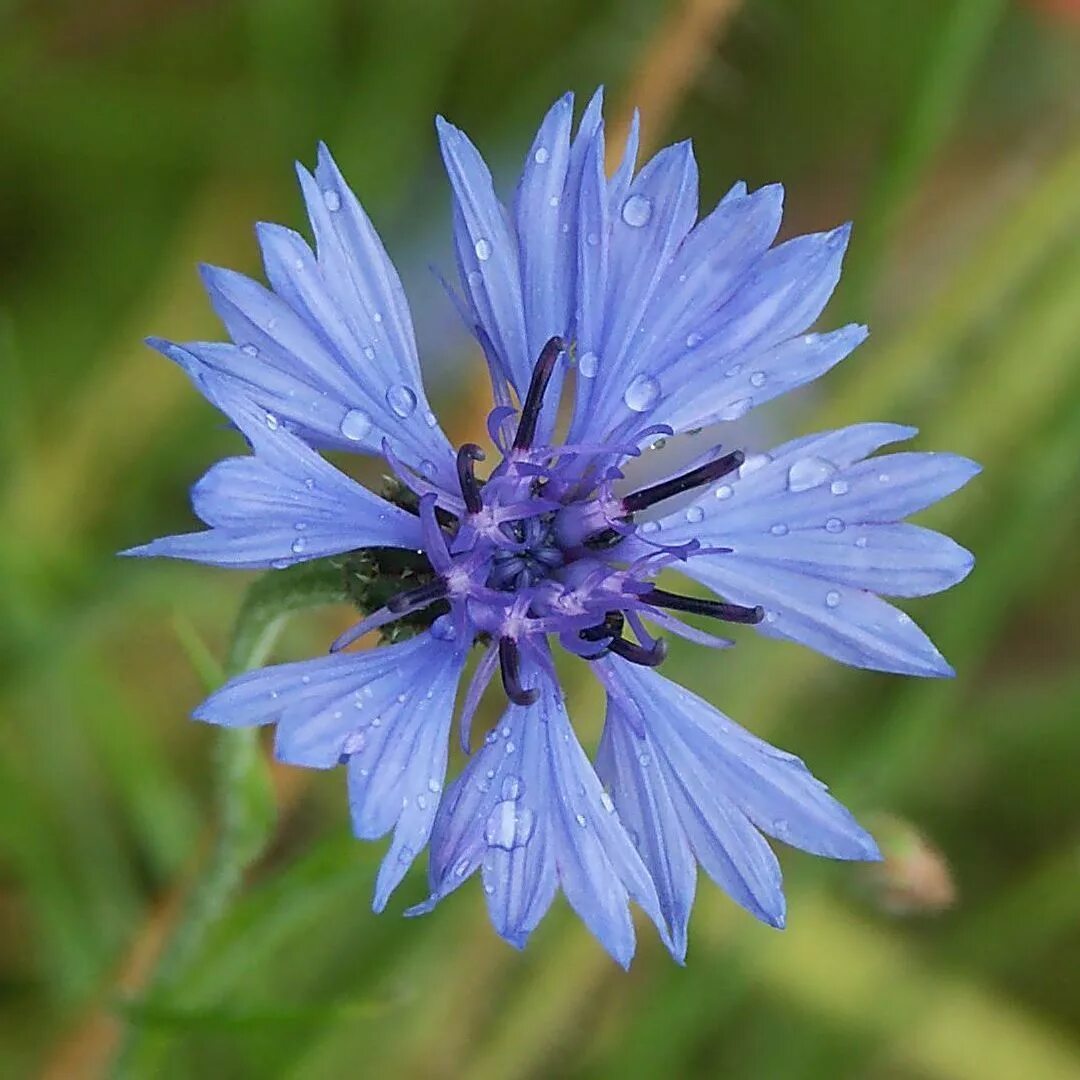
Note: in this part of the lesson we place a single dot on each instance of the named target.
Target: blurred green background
(153, 924)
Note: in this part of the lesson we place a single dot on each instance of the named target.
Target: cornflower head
(670, 324)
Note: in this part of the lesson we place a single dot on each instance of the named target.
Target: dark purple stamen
(467, 457)
(413, 599)
(510, 668)
(716, 609)
(611, 627)
(534, 399)
(703, 474)
(637, 654)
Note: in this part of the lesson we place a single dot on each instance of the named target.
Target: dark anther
(716, 609)
(534, 399)
(510, 668)
(611, 627)
(467, 456)
(601, 541)
(419, 597)
(703, 474)
(637, 654)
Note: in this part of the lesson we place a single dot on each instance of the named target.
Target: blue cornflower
(672, 324)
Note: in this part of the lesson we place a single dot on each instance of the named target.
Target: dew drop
(650, 528)
(461, 867)
(883, 478)
(724, 491)
(475, 278)
(434, 786)
(483, 249)
(695, 514)
(832, 598)
(354, 743)
(298, 545)
(606, 803)
(421, 801)
(636, 211)
(588, 365)
(861, 542)
(279, 564)
(839, 487)
(249, 350)
(693, 341)
(752, 464)
(809, 472)
(427, 468)
(553, 201)
(580, 819)
(369, 352)
(512, 787)
(541, 155)
(644, 760)
(758, 378)
(272, 421)
(332, 200)
(509, 826)
(431, 419)
(642, 393)
(442, 629)
(401, 400)
(834, 525)
(737, 409)
(355, 424)
(779, 529)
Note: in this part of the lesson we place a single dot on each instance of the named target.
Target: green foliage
(175, 916)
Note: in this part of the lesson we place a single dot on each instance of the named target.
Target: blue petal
(487, 255)
(283, 505)
(692, 780)
(530, 813)
(388, 711)
(331, 348)
(815, 530)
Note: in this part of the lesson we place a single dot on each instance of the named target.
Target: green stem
(246, 803)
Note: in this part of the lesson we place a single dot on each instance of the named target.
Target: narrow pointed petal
(283, 505)
(386, 712)
(529, 812)
(814, 530)
(689, 780)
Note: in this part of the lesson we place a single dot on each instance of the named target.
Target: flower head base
(674, 324)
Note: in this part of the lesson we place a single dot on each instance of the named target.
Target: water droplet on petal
(644, 760)
(298, 545)
(431, 419)
(249, 350)
(606, 802)
(725, 491)
(355, 424)
(279, 564)
(861, 542)
(434, 786)
(642, 393)
(883, 478)
(737, 409)
(272, 421)
(695, 514)
(442, 629)
(512, 787)
(369, 352)
(401, 400)
(693, 341)
(588, 365)
(779, 529)
(752, 463)
(809, 472)
(553, 201)
(354, 743)
(541, 155)
(580, 819)
(834, 525)
(592, 239)
(650, 528)
(461, 867)
(483, 249)
(509, 825)
(636, 211)
(758, 378)
(332, 200)
(839, 487)
(832, 598)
